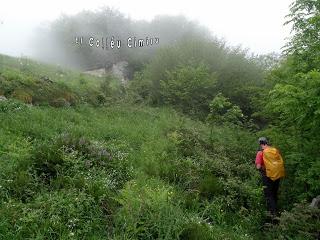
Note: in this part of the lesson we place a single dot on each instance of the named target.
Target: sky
(254, 24)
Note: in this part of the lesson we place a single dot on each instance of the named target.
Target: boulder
(46, 79)
(315, 202)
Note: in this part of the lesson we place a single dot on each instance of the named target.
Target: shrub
(105, 85)
(70, 155)
(101, 98)
(188, 88)
(148, 211)
(71, 98)
(196, 231)
(22, 95)
(53, 215)
(209, 186)
(83, 80)
(222, 111)
(11, 105)
(60, 102)
(46, 158)
(301, 222)
(23, 185)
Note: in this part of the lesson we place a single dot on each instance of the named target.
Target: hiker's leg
(275, 191)
(273, 199)
(267, 189)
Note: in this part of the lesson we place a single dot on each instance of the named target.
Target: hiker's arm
(259, 160)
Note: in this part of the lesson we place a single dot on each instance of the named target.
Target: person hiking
(270, 164)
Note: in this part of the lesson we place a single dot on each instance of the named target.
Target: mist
(248, 23)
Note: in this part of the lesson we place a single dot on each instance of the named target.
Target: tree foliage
(293, 104)
(237, 75)
(222, 111)
(188, 88)
(304, 45)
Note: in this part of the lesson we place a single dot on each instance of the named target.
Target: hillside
(41, 84)
(151, 127)
(119, 171)
(78, 161)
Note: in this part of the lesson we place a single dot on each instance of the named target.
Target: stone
(46, 79)
(315, 202)
(3, 98)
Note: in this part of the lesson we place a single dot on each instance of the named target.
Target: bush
(223, 112)
(148, 211)
(22, 95)
(70, 155)
(23, 186)
(196, 231)
(209, 186)
(71, 98)
(301, 222)
(101, 98)
(46, 158)
(182, 161)
(177, 75)
(188, 88)
(55, 215)
(11, 105)
(60, 102)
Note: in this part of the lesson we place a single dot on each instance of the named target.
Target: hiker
(270, 164)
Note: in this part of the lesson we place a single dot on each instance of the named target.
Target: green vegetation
(169, 155)
(127, 166)
(39, 84)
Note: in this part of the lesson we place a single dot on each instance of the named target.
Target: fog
(256, 25)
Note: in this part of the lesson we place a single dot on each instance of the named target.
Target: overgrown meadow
(170, 154)
(121, 172)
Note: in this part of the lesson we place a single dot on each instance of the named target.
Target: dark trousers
(270, 192)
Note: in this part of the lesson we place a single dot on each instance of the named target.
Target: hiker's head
(263, 142)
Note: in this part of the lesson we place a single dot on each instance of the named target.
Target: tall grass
(112, 172)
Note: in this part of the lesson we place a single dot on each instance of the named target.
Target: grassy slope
(35, 69)
(42, 84)
(57, 181)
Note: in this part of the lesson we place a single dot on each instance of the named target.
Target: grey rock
(315, 202)
(46, 79)
(3, 98)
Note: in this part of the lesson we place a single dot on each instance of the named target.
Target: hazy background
(257, 25)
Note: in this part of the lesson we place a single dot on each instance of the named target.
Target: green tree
(238, 76)
(304, 45)
(223, 111)
(294, 108)
(188, 88)
(293, 105)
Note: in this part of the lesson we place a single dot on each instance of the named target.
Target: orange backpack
(273, 163)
